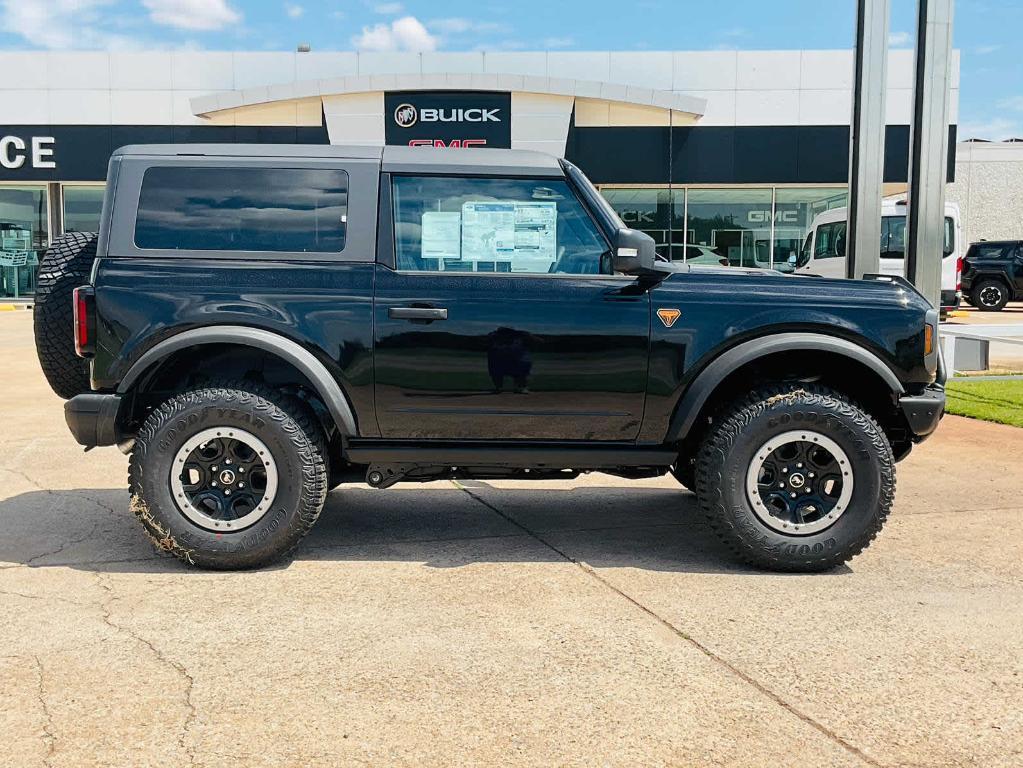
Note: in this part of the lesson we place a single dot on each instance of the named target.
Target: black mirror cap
(634, 252)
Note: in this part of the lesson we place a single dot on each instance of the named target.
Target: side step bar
(469, 454)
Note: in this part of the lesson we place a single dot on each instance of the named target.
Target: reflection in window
(243, 209)
(794, 212)
(658, 212)
(24, 235)
(83, 205)
(734, 224)
(449, 224)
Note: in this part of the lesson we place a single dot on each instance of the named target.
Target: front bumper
(924, 411)
(92, 418)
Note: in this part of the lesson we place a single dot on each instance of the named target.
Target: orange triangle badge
(669, 316)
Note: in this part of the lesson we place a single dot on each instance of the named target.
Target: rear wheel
(990, 295)
(65, 266)
(796, 478)
(228, 477)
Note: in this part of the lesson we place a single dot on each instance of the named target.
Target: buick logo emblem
(405, 115)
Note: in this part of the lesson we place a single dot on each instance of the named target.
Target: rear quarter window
(283, 210)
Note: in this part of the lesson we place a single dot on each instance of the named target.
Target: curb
(13, 307)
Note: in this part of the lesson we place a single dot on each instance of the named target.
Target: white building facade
(730, 150)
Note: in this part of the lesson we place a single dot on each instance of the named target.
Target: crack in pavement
(183, 673)
(720, 660)
(49, 737)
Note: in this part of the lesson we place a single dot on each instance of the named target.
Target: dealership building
(732, 150)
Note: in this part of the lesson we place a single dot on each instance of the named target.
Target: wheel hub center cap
(796, 480)
(227, 477)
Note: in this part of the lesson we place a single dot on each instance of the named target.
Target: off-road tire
(726, 453)
(983, 291)
(294, 440)
(65, 266)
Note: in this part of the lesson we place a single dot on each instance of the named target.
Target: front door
(500, 320)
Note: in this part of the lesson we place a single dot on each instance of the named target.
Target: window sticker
(522, 234)
(441, 235)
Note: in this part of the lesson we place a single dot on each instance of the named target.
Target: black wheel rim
(799, 482)
(224, 479)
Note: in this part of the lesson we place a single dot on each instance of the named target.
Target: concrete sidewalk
(592, 622)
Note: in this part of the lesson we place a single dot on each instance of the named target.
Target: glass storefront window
(652, 211)
(82, 207)
(732, 224)
(794, 211)
(24, 235)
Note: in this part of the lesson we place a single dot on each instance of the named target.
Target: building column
(866, 136)
(928, 143)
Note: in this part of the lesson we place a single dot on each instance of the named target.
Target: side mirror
(634, 252)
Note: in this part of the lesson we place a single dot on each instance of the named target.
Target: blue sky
(987, 32)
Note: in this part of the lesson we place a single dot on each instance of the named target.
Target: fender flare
(719, 368)
(286, 349)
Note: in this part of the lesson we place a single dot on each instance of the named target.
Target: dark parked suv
(257, 325)
(993, 274)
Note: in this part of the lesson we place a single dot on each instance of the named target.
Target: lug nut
(791, 494)
(242, 485)
(227, 492)
(242, 469)
(783, 469)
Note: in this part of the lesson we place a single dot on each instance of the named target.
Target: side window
(830, 242)
(458, 224)
(950, 237)
(894, 246)
(293, 210)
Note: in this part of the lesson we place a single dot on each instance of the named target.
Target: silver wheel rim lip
(205, 521)
(761, 510)
(989, 291)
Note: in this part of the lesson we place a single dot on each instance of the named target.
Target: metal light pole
(866, 138)
(928, 162)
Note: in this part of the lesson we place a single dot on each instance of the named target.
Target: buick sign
(448, 119)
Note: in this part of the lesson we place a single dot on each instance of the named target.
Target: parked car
(702, 255)
(823, 250)
(993, 274)
(257, 324)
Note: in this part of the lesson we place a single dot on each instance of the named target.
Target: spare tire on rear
(65, 266)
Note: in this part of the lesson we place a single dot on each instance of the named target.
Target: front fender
(696, 395)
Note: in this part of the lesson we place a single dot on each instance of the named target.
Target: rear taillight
(85, 327)
(959, 274)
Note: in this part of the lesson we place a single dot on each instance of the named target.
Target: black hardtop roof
(412, 159)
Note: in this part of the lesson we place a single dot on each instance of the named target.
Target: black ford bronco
(257, 325)
(993, 274)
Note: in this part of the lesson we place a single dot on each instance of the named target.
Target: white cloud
(899, 39)
(459, 26)
(404, 34)
(984, 50)
(294, 11)
(1013, 102)
(198, 15)
(63, 24)
(995, 129)
(557, 42)
(388, 9)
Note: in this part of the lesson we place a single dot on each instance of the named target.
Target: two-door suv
(256, 325)
(993, 274)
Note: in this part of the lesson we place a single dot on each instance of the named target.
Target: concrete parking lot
(583, 623)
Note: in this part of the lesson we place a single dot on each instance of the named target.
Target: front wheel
(228, 477)
(796, 478)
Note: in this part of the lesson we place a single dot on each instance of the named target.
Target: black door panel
(539, 357)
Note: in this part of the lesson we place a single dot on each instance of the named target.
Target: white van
(823, 251)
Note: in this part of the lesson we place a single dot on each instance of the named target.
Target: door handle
(418, 313)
